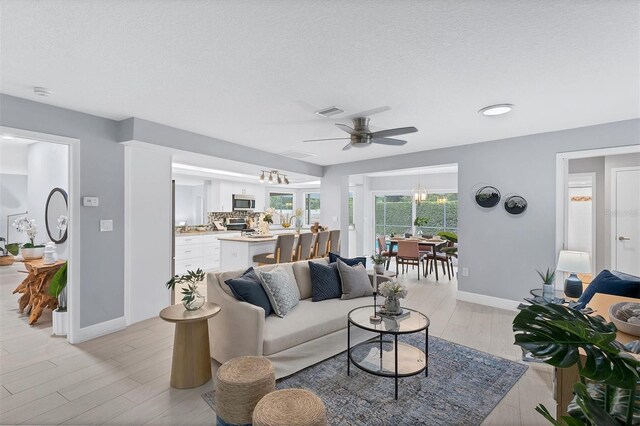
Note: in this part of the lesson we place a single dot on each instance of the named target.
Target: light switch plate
(106, 225)
(465, 272)
(90, 201)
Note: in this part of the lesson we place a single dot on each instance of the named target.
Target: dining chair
(409, 255)
(443, 258)
(334, 241)
(303, 248)
(382, 249)
(282, 253)
(321, 247)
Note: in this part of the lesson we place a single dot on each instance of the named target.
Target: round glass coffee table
(384, 356)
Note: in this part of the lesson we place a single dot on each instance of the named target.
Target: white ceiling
(252, 72)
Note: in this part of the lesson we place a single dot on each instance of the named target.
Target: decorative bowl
(32, 253)
(6, 260)
(622, 325)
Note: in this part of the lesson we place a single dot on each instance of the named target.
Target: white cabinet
(221, 192)
(198, 251)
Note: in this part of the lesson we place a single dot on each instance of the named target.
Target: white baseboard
(481, 299)
(100, 329)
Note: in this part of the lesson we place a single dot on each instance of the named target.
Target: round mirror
(56, 215)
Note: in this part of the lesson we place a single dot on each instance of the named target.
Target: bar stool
(283, 252)
(321, 247)
(303, 248)
(334, 241)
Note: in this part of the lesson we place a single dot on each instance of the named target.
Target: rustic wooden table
(35, 288)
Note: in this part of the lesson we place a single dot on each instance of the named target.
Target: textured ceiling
(253, 72)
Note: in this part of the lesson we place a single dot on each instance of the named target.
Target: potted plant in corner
(608, 391)
(191, 298)
(378, 260)
(58, 289)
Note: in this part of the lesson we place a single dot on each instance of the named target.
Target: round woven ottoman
(290, 407)
(241, 383)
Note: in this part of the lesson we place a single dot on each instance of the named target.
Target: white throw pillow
(282, 291)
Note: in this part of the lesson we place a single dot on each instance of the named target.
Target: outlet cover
(465, 272)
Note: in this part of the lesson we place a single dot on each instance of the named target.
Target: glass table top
(411, 321)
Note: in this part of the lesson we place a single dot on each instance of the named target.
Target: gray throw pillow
(355, 281)
(283, 293)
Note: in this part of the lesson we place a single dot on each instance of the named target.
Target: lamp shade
(574, 261)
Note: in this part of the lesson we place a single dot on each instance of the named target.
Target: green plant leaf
(564, 420)
(58, 281)
(555, 333)
(592, 410)
(449, 236)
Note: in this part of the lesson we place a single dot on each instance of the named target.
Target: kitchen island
(237, 252)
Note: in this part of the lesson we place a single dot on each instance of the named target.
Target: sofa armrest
(238, 329)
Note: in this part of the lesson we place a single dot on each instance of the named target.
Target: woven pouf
(241, 383)
(290, 407)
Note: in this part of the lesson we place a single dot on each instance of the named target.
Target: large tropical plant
(607, 393)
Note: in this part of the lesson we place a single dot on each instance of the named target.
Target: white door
(626, 220)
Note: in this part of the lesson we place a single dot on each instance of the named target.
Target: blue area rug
(463, 387)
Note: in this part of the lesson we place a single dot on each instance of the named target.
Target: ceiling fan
(361, 136)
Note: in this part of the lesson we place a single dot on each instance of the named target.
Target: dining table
(424, 244)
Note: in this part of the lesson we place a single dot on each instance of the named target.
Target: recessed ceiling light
(41, 91)
(498, 109)
(7, 137)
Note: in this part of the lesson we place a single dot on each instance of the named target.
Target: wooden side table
(191, 365)
(35, 288)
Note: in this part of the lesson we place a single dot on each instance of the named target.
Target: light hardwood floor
(123, 378)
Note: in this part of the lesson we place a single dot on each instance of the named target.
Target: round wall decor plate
(515, 204)
(488, 196)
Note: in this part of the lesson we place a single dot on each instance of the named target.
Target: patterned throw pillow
(325, 282)
(355, 281)
(283, 293)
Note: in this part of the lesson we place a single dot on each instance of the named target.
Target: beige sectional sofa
(308, 334)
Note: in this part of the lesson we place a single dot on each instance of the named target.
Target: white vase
(60, 322)
(32, 253)
(379, 269)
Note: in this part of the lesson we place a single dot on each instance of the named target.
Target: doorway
(625, 219)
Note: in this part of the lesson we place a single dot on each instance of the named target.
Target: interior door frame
(594, 201)
(562, 176)
(74, 332)
(614, 201)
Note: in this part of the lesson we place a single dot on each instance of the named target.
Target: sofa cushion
(282, 290)
(351, 262)
(308, 321)
(608, 283)
(248, 288)
(325, 282)
(355, 281)
(303, 275)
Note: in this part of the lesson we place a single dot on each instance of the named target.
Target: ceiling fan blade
(387, 141)
(327, 139)
(348, 129)
(393, 132)
(347, 147)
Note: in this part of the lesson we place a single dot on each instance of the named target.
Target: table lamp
(574, 262)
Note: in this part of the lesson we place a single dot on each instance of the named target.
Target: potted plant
(30, 250)
(6, 258)
(378, 262)
(608, 391)
(548, 278)
(393, 291)
(191, 297)
(58, 289)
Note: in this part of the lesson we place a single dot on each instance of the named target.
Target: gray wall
(102, 175)
(501, 251)
(595, 165)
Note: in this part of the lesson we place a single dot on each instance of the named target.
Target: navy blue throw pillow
(608, 283)
(351, 262)
(325, 281)
(248, 288)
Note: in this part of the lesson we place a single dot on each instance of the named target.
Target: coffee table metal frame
(397, 346)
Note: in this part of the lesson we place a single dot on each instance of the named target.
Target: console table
(35, 288)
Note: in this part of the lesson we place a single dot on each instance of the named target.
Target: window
(393, 214)
(282, 203)
(441, 212)
(311, 207)
(351, 209)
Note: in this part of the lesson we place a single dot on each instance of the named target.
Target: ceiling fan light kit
(362, 136)
(279, 176)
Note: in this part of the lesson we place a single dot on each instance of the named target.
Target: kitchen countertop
(244, 239)
(192, 233)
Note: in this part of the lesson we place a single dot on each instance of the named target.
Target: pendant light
(262, 177)
(419, 193)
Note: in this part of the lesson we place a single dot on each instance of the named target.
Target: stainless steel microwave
(242, 202)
